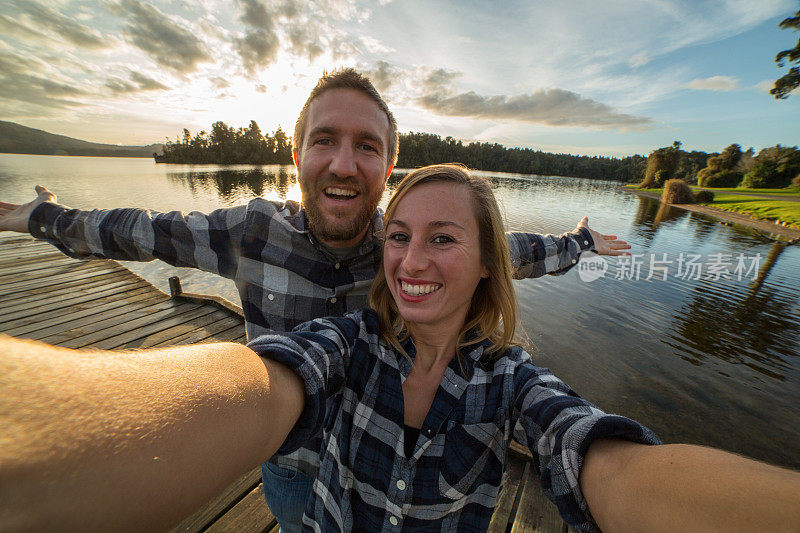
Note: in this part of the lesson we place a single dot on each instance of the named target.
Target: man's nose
(343, 163)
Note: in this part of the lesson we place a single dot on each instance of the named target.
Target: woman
(417, 400)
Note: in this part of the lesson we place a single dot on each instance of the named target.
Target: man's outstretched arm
(534, 255)
(198, 240)
(132, 440)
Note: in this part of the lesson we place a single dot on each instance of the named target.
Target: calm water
(698, 359)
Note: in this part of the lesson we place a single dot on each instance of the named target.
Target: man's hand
(14, 217)
(605, 244)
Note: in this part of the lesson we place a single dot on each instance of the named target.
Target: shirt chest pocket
(473, 455)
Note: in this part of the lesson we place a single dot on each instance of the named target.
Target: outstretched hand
(14, 217)
(605, 244)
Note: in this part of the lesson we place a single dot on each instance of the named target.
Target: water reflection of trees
(757, 329)
(650, 214)
(232, 183)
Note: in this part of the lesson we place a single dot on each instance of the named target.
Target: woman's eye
(442, 239)
(398, 237)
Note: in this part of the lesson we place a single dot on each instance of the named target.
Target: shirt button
(393, 521)
(271, 296)
(336, 266)
(429, 432)
(333, 300)
(574, 261)
(401, 484)
(586, 243)
(42, 229)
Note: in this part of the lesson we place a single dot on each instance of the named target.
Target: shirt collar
(372, 239)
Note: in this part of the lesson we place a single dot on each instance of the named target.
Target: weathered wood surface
(48, 296)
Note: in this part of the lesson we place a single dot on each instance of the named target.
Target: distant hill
(19, 139)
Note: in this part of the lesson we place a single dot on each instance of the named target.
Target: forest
(227, 145)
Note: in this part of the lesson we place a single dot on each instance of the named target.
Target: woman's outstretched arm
(132, 440)
(631, 487)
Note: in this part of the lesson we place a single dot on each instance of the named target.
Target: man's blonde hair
(492, 313)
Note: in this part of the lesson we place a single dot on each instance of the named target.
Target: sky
(611, 78)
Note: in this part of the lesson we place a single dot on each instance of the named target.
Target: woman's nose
(416, 258)
(343, 163)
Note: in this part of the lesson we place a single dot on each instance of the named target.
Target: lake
(697, 335)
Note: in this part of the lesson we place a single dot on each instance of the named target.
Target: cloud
(303, 29)
(166, 42)
(261, 88)
(553, 107)
(220, 83)
(146, 83)
(714, 83)
(54, 21)
(138, 83)
(382, 76)
(27, 89)
(639, 60)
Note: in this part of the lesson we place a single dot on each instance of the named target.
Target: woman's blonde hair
(492, 313)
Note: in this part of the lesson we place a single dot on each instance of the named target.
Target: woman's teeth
(416, 290)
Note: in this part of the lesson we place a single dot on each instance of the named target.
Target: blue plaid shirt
(284, 277)
(451, 482)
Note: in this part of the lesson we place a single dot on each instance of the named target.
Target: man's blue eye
(442, 239)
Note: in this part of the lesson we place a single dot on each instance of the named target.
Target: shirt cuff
(584, 239)
(607, 426)
(42, 221)
(278, 348)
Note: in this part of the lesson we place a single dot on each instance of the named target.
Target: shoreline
(726, 217)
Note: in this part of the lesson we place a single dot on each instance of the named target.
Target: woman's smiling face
(432, 256)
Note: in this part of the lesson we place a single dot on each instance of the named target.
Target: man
(290, 263)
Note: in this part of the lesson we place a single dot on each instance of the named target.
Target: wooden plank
(33, 292)
(207, 333)
(168, 335)
(32, 246)
(69, 321)
(40, 300)
(503, 515)
(250, 514)
(69, 300)
(21, 266)
(52, 279)
(130, 335)
(31, 258)
(536, 513)
(225, 500)
(13, 275)
(231, 335)
(76, 271)
(108, 327)
(93, 307)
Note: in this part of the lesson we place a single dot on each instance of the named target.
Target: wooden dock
(47, 296)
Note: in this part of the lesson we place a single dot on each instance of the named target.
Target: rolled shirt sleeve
(558, 427)
(318, 352)
(534, 255)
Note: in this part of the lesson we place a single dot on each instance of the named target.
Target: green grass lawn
(754, 206)
(761, 208)
(794, 191)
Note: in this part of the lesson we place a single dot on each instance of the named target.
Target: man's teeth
(416, 290)
(340, 192)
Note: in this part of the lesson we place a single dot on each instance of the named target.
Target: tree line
(773, 167)
(227, 145)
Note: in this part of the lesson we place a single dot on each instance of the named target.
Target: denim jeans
(286, 492)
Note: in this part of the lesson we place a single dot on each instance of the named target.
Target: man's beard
(346, 228)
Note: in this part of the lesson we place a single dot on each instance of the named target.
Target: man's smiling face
(343, 165)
